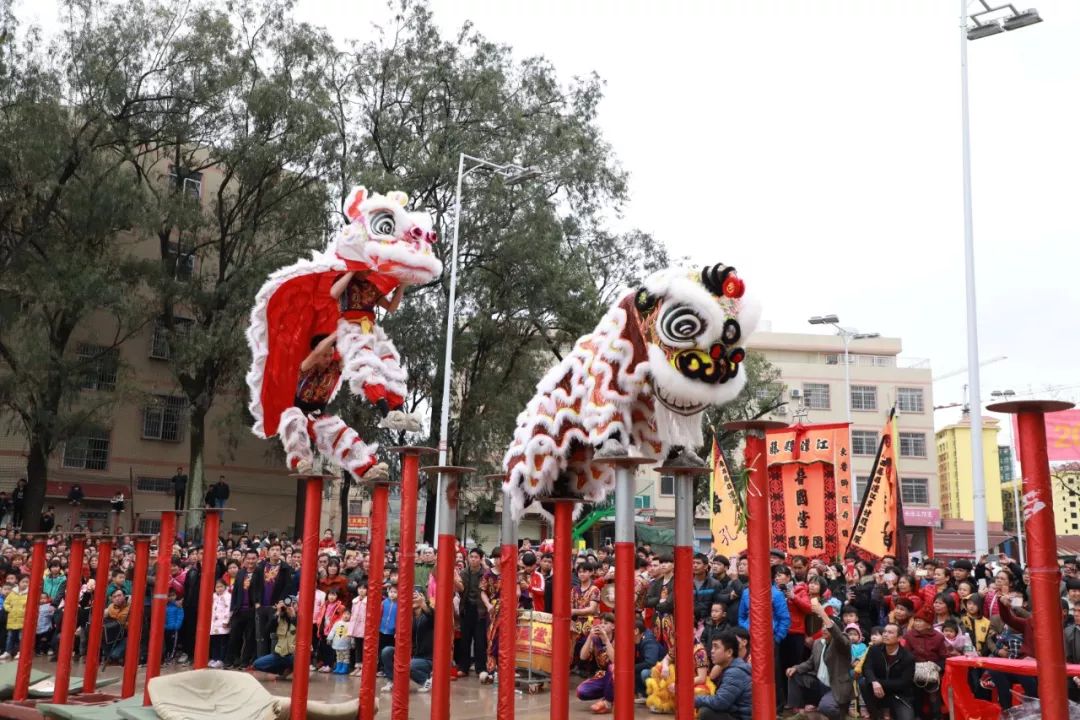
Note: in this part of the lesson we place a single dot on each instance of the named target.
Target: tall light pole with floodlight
(513, 175)
(988, 21)
(846, 336)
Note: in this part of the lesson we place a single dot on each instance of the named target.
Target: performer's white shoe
(304, 467)
(399, 421)
(377, 473)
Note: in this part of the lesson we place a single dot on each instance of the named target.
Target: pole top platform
(413, 450)
(448, 470)
(624, 461)
(759, 425)
(684, 470)
(1015, 407)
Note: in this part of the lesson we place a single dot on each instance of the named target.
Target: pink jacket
(356, 622)
(220, 613)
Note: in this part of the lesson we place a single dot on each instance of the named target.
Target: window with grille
(163, 418)
(912, 444)
(148, 526)
(153, 484)
(864, 442)
(909, 400)
(89, 451)
(667, 485)
(816, 395)
(159, 346)
(864, 397)
(182, 259)
(99, 366)
(914, 491)
(187, 181)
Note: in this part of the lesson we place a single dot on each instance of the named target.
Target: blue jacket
(174, 616)
(389, 616)
(781, 618)
(648, 651)
(732, 694)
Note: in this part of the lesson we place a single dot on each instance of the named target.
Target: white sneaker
(426, 687)
(5, 657)
(379, 472)
(388, 687)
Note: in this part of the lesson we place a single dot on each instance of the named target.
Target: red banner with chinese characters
(810, 489)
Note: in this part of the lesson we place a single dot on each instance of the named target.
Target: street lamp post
(982, 27)
(846, 336)
(513, 174)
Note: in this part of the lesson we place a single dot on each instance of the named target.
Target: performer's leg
(337, 440)
(361, 364)
(293, 430)
(393, 375)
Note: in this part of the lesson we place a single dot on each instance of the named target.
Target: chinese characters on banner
(810, 489)
(877, 522)
(727, 519)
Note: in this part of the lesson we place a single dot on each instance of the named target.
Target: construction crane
(964, 369)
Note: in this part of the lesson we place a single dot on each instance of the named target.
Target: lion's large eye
(681, 324)
(382, 223)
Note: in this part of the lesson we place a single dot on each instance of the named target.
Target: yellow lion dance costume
(660, 688)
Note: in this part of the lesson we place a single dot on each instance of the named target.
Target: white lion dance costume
(636, 385)
(304, 309)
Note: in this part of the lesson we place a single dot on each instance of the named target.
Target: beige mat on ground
(211, 695)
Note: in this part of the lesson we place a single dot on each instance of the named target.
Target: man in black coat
(242, 622)
(269, 585)
(179, 485)
(888, 677)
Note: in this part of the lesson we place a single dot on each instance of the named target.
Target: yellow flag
(727, 520)
(877, 526)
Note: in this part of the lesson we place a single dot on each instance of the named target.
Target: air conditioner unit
(796, 394)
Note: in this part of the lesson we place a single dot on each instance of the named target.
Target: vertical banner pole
(97, 616)
(67, 625)
(156, 642)
(305, 603)
(380, 500)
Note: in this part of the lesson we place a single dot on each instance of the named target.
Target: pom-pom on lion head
(384, 237)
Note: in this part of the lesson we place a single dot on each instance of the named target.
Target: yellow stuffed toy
(660, 688)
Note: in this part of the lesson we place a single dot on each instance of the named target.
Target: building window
(838, 359)
(147, 526)
(188, 181)
(864, 442)
(860, 487)
(99, 366)
(159, 346)
(912, 444)
(163, 418)
(909, 400)
(864, 397)
(642, 502)
(89, 451)
(914, 491)
(667, 485)
(182, 259)
(816, 395)
(153, 484)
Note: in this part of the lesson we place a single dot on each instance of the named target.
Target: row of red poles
(1042, 558)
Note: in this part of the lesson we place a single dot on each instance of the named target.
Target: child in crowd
(333, 609)
(220, 614)
(858, 647)
(956, 641)
(386, 625)
(15, 606)
(44, 624)
(356, 630)
(341, 643)
(174, 619)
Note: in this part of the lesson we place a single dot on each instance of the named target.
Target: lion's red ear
(351, 206)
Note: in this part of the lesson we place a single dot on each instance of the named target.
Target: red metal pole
(684, 595)
(757, 540)
(410, 471)
(33, 602)
(71, 615)
(508, 611)
(443, 659)
(305, 604)
(135, 617)
(560, 612)
(97, 617)
(376, 561)
(207, 578)
(159, 600)
(1042, 565)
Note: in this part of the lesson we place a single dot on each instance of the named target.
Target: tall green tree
(66, 212)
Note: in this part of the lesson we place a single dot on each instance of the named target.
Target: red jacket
(798, 607)
(929, 645)
(1020, 625)
(929, 592)
(915, 597)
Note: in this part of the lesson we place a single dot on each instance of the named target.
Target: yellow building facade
(955, 471)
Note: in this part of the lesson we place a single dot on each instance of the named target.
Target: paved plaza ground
(468, 698)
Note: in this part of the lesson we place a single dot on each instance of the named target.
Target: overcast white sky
(815, 144)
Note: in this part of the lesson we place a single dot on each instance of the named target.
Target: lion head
(383, 236)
